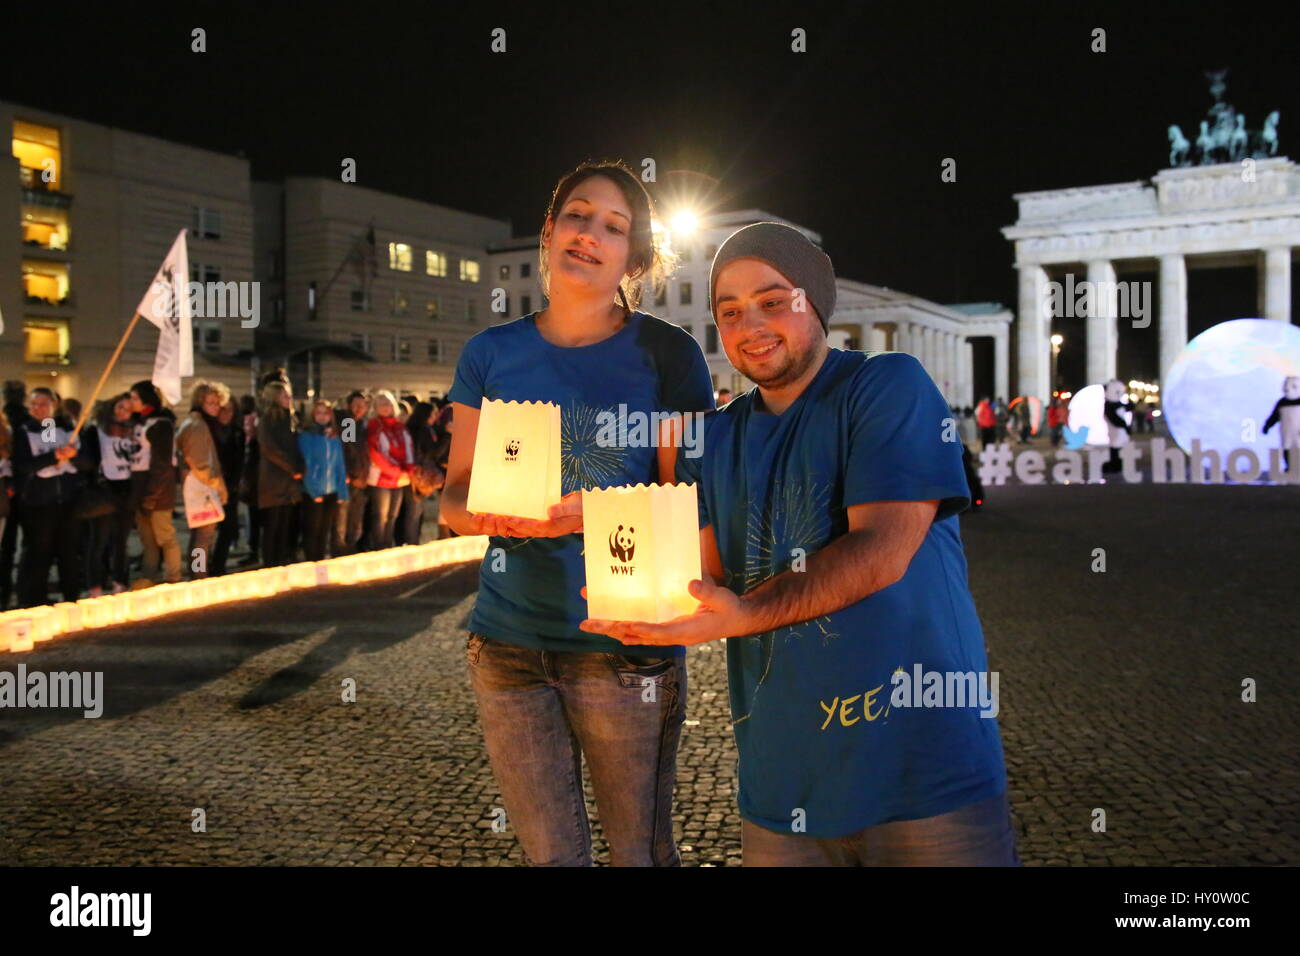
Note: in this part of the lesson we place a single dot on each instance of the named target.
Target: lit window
(435, 263)
(360, 300)
(46, 341)
(432, 307)
(435, 350)
(44, 227)
(46, 283)
(471, 310)
(403, 350)
(39, 156)
(504, 272)
(685, 293)
(525, 270)
(399, 256)
(400, 302)
(526, 303)
(468, 270)
(205, 223)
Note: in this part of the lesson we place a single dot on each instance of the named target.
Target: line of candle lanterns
(21, 629)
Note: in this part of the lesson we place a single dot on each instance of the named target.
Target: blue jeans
(976, 835)
(542, 711)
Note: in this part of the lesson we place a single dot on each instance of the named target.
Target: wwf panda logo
(622, 543)
(512, 450)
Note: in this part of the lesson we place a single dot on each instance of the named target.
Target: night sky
(846, 139)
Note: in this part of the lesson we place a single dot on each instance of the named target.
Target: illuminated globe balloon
(1225, 383)
(1088, 410)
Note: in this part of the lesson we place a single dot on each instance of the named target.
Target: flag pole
(90, 402)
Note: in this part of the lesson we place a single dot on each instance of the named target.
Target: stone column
(1103, 326)
(966, 372)
(1275, 284)
(1033, 338)
(1173, 311)
(927, 349)
(1002, 362)
(950, 367)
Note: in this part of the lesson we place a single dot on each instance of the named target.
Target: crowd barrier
(21, 629)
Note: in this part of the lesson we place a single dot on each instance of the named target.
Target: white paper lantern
(516, 459)
(642, 549)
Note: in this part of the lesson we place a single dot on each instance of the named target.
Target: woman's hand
(565, 518)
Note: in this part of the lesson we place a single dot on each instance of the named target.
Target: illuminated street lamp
(1056, 350)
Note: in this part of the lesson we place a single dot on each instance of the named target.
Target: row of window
(399, 347)
(400, 259)
(710, 337)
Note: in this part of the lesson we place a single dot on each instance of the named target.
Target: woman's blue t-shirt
(532, 598)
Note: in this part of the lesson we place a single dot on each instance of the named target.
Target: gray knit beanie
(789, 252)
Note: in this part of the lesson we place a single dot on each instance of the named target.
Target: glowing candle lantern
(301, 575)
(642, 546)
(516, 459)
(68, 617)
(18, 630)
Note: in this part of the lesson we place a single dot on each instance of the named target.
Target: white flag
(167, 305)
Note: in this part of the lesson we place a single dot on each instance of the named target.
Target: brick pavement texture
(1119, 690)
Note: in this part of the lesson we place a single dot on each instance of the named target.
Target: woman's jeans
(317, 523)
(542, 711)
(979, 834)
(386, 505)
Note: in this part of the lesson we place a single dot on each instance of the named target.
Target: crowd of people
(314, 480)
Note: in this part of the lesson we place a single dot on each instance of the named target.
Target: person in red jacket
(392, 458)
(987, 422)
(1058, 414)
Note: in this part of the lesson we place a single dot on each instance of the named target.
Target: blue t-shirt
(647, 366)
(811, 702)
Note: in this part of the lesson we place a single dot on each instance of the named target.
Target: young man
(829, 497)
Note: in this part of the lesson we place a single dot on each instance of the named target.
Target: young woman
(279, 473)
(49, 467)
(392, 457)
(248, 484)
(113, 436)
(229, 436)
(426, 477)
(325, 479)
(196, 447)
(549, 693)
(153, 486)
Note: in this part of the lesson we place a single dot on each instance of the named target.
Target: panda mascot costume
(1287, 412)
(1118, 423)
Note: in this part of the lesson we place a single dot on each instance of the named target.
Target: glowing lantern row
(516, 459)
(20, 629)
(642, 547)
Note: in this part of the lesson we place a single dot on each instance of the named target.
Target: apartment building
(367, 289)
(97, 209)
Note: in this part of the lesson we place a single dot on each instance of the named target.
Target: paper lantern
(642, 548)
(18, 632)
(302, 574)
(67, 617)
(516, 459)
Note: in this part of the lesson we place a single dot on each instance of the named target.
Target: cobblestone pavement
(1119, 690)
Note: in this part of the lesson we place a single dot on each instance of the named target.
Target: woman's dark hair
(647, 259)
(148, 394)
(418, 424)
(104, 412)
(247, 404)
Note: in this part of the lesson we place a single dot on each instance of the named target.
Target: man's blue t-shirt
(647, 366)
(811, 703)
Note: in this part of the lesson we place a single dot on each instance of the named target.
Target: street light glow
(683, 222)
